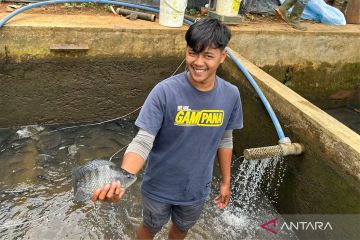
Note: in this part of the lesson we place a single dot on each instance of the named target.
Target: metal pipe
(140, 15)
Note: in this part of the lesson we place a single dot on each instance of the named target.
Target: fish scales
(95, 174)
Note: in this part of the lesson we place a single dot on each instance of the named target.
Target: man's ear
(223, 56)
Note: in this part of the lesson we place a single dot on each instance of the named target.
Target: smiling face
(202, 66)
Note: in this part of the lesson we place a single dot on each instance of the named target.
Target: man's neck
(203, 86)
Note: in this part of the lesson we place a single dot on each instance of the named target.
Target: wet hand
(222, 200)
(110, 193)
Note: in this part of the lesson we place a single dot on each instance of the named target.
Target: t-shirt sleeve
(236, 117)
(152, 112)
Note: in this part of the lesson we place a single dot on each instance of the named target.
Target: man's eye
(192, 53)
(209, 56)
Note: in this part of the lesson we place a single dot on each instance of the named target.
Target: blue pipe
(269, 109)
(267, 105)
(34, 5)
(39, 4)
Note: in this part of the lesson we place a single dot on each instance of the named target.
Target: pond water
(350, 117)
(37, 199)
(37, 161)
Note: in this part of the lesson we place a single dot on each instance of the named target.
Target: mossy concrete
(73, 90)
(21, 39)
(324, 45)
(112, 77)
(330, 167)
(321, 85)
(316, 64)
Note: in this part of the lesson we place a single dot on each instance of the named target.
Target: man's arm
(137, 152)
(224, 158)
(224, 155)
(132, 162)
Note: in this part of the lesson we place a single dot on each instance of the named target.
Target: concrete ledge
(111, 79)
(275, 44)
(282, 45)
(30, 36)
(105, 36)
(318, 62)
(335, 140)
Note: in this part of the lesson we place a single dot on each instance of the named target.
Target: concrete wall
(124, 51)
(332, 150)
(21, 43)
(79, 89)
(308, 121)
(29, 50)
(336, 46)
(317, 64)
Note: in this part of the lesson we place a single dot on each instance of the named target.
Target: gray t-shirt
(188, 125)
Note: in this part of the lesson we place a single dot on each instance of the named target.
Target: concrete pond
(66, 69)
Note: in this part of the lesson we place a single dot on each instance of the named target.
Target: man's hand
(111, 193)
(222, 200)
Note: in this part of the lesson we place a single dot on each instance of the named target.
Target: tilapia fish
(95, 174)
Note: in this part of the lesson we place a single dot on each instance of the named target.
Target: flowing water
(37, 200)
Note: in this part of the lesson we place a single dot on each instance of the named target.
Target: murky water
(348, 116)
(37, 200)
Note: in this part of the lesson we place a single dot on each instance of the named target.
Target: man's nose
(199, 60)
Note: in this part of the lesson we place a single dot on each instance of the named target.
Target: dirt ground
(104, 10)
(63, 9)
(249, 21)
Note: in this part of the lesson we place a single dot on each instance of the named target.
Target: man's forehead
(207, 49)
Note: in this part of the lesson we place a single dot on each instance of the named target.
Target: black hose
(140, 15)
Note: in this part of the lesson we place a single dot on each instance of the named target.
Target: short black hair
(207, 33)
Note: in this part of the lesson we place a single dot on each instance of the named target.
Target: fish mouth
(81, 195)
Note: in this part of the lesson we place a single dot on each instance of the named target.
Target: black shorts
(156, 214)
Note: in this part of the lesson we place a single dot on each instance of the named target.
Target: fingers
(114, 192)
(217, 199)
(221, 201)
(104, 191)
(110, 192)
(95, 195)
(118, 188)
(227, 200)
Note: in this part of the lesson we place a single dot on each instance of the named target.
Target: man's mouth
(199, 70)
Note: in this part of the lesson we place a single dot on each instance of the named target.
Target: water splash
(249, 206)
(255, 176)
(30, 197)
(29, 131)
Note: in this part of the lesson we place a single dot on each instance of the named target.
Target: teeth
(199, 70)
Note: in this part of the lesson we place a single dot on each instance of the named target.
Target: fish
(95, 174)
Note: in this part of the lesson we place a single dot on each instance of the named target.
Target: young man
(185, 121)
